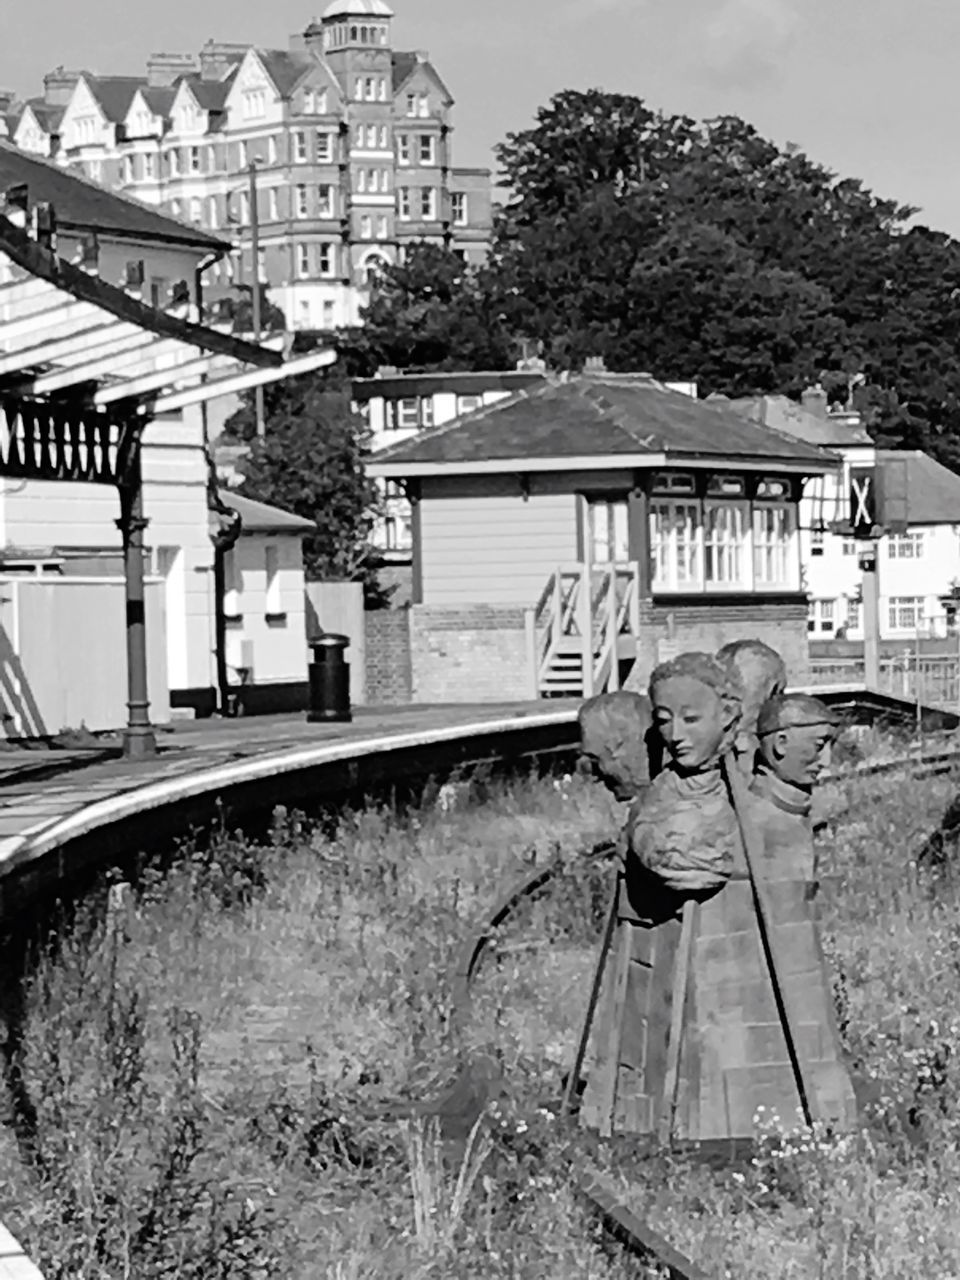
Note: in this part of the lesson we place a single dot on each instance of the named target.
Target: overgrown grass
(210, 1063)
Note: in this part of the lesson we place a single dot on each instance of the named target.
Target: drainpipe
(225, 537)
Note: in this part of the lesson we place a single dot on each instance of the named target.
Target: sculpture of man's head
(696, 708)
(796, 733)
(762, 673)
(614, 730)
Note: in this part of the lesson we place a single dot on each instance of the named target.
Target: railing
(933, 680)
(583, 612)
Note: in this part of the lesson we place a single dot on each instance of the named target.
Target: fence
(933, 680)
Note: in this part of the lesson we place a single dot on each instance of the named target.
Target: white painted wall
(276, 646)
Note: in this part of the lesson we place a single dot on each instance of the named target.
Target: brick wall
(668, 629)
(470, 653)
(388, 677)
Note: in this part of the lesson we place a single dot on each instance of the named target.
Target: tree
(311, 462)
(431, 312)
(237, 311)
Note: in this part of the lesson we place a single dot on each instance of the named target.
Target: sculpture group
(711, 995)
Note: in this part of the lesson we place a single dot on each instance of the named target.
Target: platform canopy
(85, 365)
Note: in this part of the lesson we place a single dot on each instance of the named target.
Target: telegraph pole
(255, 287)
(871, 614)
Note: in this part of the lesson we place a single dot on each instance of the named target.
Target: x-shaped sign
(861, 491)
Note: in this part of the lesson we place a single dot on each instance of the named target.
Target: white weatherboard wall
(44, 514)
(482, 541)
(264, 574)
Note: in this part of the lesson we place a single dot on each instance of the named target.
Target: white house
(918, 567)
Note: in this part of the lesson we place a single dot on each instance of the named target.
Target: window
(273, 209)
(358, 137)
(372, 134)
(428, 203)
(854, 608)
(358, 89)
(242, 155)
(212, 211)
(327, 314)
(300, 202)
(149, 166)
(411, 105)
(385, 180)
(211, 159)
(384, 138)
(324, 148)
(361, 179)
(423, 106)
(427, 149)
(299, 146)
(366, 227)
(254, 104)
(383, 227)
(173, 159)
(325, 259)
(325, 201)
(175, 208)
(194, 159)
(381, 90)
(675, 545)
(673, 482)
(403, 204)
(458, 208)
(467, 404)
(315, 102)
(906, 613)
(905, 546)
(773, 528)
(409, 414)
(821, 617)
(128, 173)
(370, 88)
(303, 260)
(271, 150)
(607, 530)
(849, 547)
(816, 542)
(303, 314)
(273, 605)
(724, 529)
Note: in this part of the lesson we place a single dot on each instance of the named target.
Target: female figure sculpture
(694, 1028)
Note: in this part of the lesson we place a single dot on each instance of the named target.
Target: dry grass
(207, 1065)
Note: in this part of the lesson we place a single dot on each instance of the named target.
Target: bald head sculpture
(796, 732)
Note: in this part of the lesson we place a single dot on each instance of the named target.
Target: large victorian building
(340, 147)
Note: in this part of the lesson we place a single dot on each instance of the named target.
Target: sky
(867, 87)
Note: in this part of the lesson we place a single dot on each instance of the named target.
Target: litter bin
(329, 679)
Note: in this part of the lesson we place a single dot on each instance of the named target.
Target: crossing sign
(879, 498)
(864, 515)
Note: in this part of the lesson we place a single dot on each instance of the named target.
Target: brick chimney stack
(165, 69)
(218, 56)
(58, 86)
(814, 401)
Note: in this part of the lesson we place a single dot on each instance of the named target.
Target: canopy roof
(82, 357)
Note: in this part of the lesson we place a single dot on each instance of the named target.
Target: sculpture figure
(618, 743)
(762, 675)
(712, 992)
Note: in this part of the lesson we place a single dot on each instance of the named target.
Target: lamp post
(255, 287)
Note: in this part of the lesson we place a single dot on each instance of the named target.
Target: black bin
(329, 679)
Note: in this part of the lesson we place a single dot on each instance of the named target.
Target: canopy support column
(139, 740)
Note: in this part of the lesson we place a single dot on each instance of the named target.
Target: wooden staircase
(586, 622)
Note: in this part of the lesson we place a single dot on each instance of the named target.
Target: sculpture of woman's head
(762, 673)
(696, 708)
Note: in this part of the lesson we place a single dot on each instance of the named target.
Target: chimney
(165, 69)
(58, 86)
(814, 401)
(217, 57)
(594, 365)
(7, 99)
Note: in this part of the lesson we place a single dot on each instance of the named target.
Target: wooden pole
(255, 288)
(573, 1079)
(871, 614)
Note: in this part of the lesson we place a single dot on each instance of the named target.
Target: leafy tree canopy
(693, 249)
(310, 462)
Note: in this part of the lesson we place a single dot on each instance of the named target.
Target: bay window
(735, 537)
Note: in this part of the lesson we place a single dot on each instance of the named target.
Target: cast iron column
(139, 741)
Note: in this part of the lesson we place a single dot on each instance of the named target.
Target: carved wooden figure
(714, 999)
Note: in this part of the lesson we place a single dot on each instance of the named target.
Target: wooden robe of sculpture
(707, 1010)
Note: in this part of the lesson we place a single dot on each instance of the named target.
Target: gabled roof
(260, 517)
(47, 117)
(933, 490)
(405, 64)
(114, 93)
(159, 100)
(286, 68)
(612, 420)
(80, 204)
(211, 95)
(786, 415)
